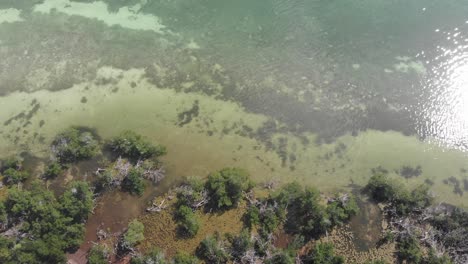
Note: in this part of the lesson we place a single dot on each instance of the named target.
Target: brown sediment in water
(366, 225)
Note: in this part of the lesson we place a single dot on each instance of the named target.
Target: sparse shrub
(212, 251)
(323, 253)
(240, 244)
(53, 170)
(281, 257)
(409, 250)
(383, 189)
(306, 215)
(155, 256)
(134, 182)
(133, 235)
(10, 163)
(341, 209)
(184, 258)
(225, 187)
(135, 147)
(104, 181)
(98, 255)
(188, 222)
(74, 145)
(14, 176)
(252, 217)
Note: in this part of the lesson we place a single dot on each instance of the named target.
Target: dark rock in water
(41, 123)
(84, 100)
(379, 170)
(366, 225)
(429, 182)
(187, 116)
(410, 172)
(457, 189)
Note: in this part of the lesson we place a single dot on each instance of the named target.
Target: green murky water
(312, 90)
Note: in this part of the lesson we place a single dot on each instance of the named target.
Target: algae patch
(126, 17)
(10, 15)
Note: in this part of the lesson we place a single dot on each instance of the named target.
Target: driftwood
(418, 224)
(196, 199)
(155, 175)
(157, 207)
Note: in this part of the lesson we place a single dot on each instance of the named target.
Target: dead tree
(157, 207)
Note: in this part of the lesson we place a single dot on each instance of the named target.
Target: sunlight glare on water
(445, 113)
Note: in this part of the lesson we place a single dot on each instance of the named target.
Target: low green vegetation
(53, 170)
(133, 146)
(133, 236)
(409, 250)
(281, 257)
(74, 144)
(155, 256)
(403, 201)
(240, 244)
(184, 258)
(300, 210)
(13, 176)
(12, 171)
(323, 253)
(187, 220)
(213, 250)
(226, 186)
(104, 182)
(98, 255)
(134, 182)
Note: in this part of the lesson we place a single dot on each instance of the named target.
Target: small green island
(224, 217)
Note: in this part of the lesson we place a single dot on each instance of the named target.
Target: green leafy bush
(188, 222)
(383, 189)
(281, 257)
(134, 182)
(98, 255)
(409, 250)
(74, 145)
(341, 209)
(134, 234)
(104, 181)
(155, 256)
(14, 176)
(306, 215)
(134, 147)
(211, 251)
(77, 201)
(240, 244)
(11, 163)
(225, 187)
(251, 217)
(53, 170)
(184, 258)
